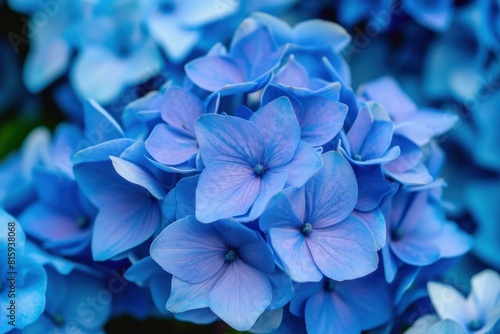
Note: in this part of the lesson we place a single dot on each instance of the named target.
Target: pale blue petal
(332, 193)
(226, 138)
(290, 246)
(213, 73)
(46, 61)
(240, 295)
(319, 33)
(137, 175)
(374, 221)
(169, 146)
(343, 251)
(448, 302)
(278, 124)
(180, 109)
(225, 190)
(186, 296)
(268, 321)
(286, 209)
(272, 183)
(305, 163)
(415, 251)
(292, 74)
(321, 120)
(121, 225)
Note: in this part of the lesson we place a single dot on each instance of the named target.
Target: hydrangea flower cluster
(256, 188)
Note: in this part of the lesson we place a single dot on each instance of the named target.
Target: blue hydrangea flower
(343, 307)
(248, 162)
(77, 302)
(224, 266)
(115, 52)
(246, 68)
(60, 217)
(27, 288)
(127, 195)
(370, 137)
(478, 313)
(54, 30)
(311, 231)
(315, 103)
(418, 232)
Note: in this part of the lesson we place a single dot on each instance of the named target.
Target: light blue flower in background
(478, 313)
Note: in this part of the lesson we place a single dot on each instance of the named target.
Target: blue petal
(213, 73)
(240, 295)
(188, 296)
(327, 313)
(448, 302)
(268, 321)
(292, 74)
(321, 120)
(344, 250)
(46, 224)
(319, 33)
(226, 190)
(46, 61)
(175, 39)
(370, 297)
(331, 194)
(305, 163)
(29, 294)
(252, 249)
(189, 250)
(255, 53)
(374, 221)
(169, 146)
(286, 209)
(143, 270)
(447, 326)
(121, 225)
(202, 316)
(282, 289)
(373, 188)
(272, 183)
(180, 108)
(290, 246)
(415, 251)
(137, 175)
(278, 124)
(226, 138)
(101, 152)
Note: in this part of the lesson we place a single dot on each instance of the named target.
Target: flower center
(330, 285)
(475, 325)
(307, 229)
(396, 234)
(259, 169)
(358, 157)
(230, 255)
